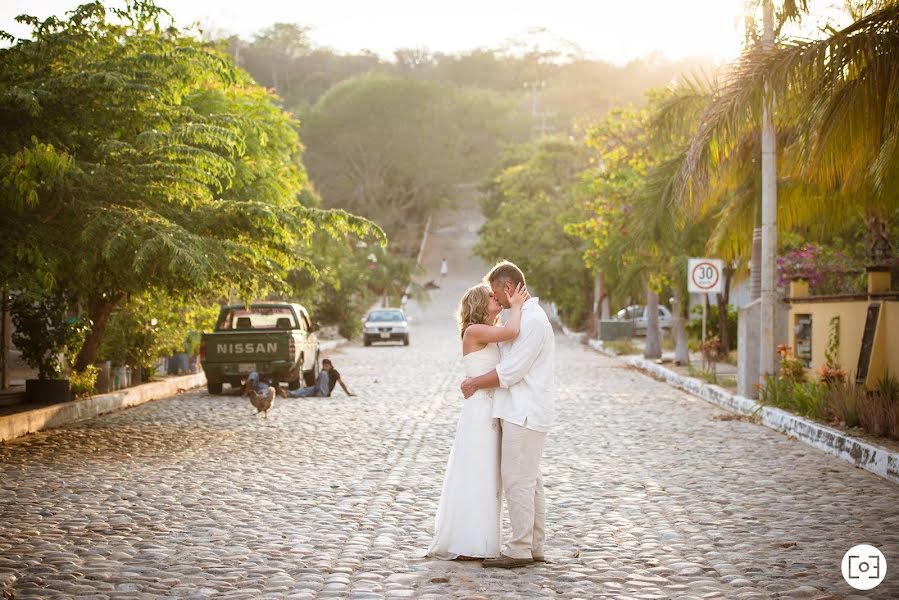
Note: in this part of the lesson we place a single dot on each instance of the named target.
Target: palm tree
(838, 120)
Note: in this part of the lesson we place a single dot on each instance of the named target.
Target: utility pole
(767, 364)
(540, 128)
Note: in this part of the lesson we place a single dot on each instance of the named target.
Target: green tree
(635, 232)
(389, 148)
(529, 202)
(136, 158)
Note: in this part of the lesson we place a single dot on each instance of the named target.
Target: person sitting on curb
(327, 381)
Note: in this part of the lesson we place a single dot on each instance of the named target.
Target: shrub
(694, 325)
(808, 398)
(828, 271)
(44, 331)
(841, 402)
(879, 412)
(622, 347)
(791, 368)
(776, 392)
(82, 382)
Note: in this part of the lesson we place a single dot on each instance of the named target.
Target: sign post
(704, 276)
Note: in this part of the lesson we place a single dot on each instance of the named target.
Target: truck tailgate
(247, 347)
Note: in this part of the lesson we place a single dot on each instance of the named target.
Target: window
(385, 315)
(257, 317)
(803, 334)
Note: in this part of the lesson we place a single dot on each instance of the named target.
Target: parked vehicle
(636, 313)
(275, 339)
(385, 325)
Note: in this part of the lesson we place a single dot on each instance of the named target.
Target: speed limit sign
(705, 275)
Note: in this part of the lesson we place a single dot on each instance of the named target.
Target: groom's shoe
(507, 562)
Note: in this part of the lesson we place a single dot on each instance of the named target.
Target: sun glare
(613, 31)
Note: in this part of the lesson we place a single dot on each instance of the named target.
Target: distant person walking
(444, 268)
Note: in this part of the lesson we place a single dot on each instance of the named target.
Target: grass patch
(668, 344)
(622, 347)
(707, 376)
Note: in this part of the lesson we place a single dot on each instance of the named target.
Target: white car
(636, 313)
(385, 325)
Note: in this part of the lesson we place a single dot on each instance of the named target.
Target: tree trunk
(723, 318)
(604, 298)
(679, 328)
(98, 311)
(593, 324)
(653, 347)
(5, 325)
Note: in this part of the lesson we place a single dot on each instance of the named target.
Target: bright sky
(609, 29)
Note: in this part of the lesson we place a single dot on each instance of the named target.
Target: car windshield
(257, 317)
(385, 315)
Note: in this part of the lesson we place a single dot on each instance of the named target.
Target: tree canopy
(136, 157)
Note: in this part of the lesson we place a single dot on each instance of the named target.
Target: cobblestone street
(650, 492)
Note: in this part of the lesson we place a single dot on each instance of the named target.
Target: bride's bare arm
(485, 334)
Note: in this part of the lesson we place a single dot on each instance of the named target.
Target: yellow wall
(891, 327)
(852, 326)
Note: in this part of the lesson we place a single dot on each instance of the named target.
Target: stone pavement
(651, 493)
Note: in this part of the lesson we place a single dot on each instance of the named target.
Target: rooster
(262, 402)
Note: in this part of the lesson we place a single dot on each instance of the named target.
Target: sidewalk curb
(874, 459)
(877, 460)
(56, 415)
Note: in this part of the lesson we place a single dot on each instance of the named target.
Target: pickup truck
(275, 339)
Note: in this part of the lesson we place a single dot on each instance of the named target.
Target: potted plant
(131, 341)
(43, 333)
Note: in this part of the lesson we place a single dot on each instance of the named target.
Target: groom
(526, 413)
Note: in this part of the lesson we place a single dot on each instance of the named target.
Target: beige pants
(523, 486)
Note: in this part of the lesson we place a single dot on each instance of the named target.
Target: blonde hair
(473, 308)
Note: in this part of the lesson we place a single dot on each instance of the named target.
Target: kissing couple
(508, 409)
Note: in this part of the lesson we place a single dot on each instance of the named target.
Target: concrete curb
(56, 415)
(869, 457)
(864, 455)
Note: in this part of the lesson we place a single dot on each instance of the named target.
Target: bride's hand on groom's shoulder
(519, 296)
(468, 388)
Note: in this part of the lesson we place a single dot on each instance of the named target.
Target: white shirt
(526, 369)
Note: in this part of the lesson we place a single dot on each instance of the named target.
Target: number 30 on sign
(705, 276)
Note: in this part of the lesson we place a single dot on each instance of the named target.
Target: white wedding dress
(468, 518)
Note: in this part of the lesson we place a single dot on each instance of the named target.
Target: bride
(468, 517)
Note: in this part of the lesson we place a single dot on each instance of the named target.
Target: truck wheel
(367, 342)
(214, 387)
(311, 377)
(293, 384)
(406, 341)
